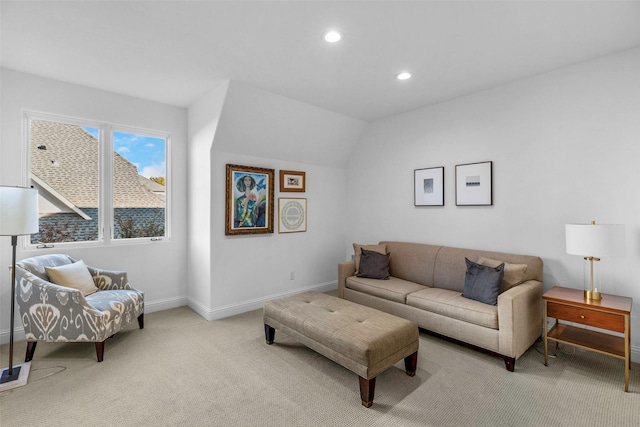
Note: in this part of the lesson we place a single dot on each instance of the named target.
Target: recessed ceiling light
(332, 36)
(405, 75)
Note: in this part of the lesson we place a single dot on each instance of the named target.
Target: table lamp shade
(18, 211)
(598, 240)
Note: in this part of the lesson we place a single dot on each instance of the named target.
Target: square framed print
(292, 214)
(474, 184)
(428, 187)
(292, 181)
(249, 200)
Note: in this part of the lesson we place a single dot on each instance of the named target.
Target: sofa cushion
(453, 304)
(393, 289)
(450, 268)
(483, 283)
(412, 261)
(116, 303)
(513, 273)
(75, 275)
(357, 251)
(374, 265)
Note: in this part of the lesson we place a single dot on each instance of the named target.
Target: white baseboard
(254, 304)
(165, 304)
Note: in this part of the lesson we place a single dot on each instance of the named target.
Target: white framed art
(292, 215)
(428, 186)
(474, 184)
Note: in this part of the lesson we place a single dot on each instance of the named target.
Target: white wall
(261, 129)
(248, 270)
(565, 147)
(204, 116)
(157, 269)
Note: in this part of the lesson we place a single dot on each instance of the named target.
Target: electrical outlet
(292, 275)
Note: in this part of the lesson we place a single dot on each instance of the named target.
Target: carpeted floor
(184, 371)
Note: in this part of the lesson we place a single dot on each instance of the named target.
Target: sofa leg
(100, 351)
(367, 389)
(510, 363)
(31, 349)
(141, 321)
(269, 334)
(411, 363)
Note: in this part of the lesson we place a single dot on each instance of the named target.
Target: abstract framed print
(474, 186)
(428, 187)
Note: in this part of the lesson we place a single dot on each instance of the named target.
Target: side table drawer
(598, 319)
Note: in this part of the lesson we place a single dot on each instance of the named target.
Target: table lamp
(593, 241)
(18, 216)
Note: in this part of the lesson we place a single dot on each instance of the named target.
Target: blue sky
(147, 153)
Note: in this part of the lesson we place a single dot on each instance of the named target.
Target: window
(138, 210)
(97, 182)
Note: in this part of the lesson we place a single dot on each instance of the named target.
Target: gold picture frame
(292, 181)
(249, 200)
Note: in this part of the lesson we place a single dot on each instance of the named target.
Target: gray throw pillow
(483, 283)
(374, 265)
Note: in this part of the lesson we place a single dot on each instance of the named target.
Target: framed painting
(292, 181)
(249, 200)
(428, 187)
(292, 214)
(474, 186)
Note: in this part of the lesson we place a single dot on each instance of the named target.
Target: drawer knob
(582, 316)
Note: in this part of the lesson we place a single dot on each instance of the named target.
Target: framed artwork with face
(249, 200)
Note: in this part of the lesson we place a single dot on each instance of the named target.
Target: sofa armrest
(345, 269)
(519, 318)
(54, 313)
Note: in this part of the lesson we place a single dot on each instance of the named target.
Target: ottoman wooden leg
(269, 334)
(411, 363)
(367, 389)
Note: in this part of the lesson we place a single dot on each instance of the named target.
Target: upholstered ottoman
(362, 339)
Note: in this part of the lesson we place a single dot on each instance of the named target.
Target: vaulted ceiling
(175, 51)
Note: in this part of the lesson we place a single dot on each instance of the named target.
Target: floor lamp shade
(18, 211)
(593, 242)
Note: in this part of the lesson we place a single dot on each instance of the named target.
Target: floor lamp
(18, 216)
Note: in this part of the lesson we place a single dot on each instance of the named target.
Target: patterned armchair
(56, 313)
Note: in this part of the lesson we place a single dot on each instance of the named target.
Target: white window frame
(105, 173)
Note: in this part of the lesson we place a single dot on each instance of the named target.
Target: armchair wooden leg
(31, 349)
(141, 321)
(100, 351)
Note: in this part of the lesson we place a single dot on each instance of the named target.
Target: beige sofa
(426, 286)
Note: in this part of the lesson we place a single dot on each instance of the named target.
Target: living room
(562, 141)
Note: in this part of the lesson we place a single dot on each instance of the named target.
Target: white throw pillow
(74, 275)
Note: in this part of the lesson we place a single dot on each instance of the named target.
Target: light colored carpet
(184, 371)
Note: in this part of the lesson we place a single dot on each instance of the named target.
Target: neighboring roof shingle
(67, 160)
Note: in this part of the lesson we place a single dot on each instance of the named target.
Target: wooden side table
(611, 313)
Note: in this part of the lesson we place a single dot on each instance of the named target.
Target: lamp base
(18, 378)
(592, 295)
(15, 374)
